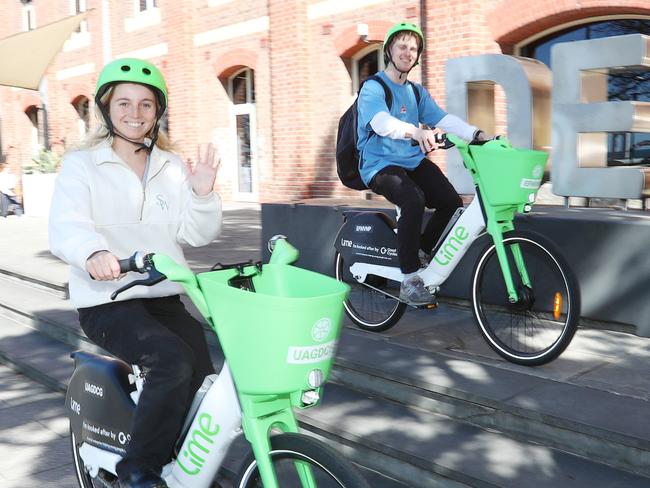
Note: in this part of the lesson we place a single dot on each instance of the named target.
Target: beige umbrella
(24, 57)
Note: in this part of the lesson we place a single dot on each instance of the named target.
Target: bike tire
(330, 468)
(541, 325)
(369, 309)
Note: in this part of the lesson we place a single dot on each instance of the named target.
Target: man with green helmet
(123, 191)
(393, 143)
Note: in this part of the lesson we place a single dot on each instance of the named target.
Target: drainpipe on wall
(106, 32)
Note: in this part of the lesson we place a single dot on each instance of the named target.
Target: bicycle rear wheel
(366, 305)
(330, 469)
(540, 325)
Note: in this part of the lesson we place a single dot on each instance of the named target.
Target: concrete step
(473, 389)
(418, 448)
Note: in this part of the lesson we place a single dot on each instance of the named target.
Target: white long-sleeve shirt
(99, 203)
(386, 125)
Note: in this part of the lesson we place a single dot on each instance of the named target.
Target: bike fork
(518, 258)
(260, 416)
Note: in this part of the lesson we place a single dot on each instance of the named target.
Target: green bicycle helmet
(396, 29)
(132, 70)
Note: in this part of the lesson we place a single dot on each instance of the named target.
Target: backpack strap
(416, 92)
(388, 96)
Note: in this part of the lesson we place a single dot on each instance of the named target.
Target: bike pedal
(107, 480)
(429, 306)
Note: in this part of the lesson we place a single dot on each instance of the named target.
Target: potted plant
(38, 183)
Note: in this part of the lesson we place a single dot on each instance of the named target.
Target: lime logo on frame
(450, 248)
(321, 329)
(198, 447)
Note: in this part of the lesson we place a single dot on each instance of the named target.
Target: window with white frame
(29, 18)
(241, 90)
(147, 5)
(145, 14)
(366, 63)
(77, 7)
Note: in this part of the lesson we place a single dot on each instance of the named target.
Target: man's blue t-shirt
(376, 152)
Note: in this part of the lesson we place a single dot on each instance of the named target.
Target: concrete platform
(606, 248)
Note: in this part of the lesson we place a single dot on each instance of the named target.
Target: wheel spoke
(370, 304)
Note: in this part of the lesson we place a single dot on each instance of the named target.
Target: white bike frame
(465, 231)
(216, 424)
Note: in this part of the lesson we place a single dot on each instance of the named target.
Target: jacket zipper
(144, 187)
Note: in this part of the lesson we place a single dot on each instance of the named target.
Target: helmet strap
(148, 143)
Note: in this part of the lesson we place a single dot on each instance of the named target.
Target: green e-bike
(524, 296)
(278, 326)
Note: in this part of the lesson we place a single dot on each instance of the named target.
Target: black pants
(161, 336)
(6, 202)
(412, 190)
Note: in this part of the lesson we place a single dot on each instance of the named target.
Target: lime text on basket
(311, 354)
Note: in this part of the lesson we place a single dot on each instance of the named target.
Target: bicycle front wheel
(329, 469)
(370, 306)
(540, 325)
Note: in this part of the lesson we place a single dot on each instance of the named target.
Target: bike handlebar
(446, 143)
(139, 262)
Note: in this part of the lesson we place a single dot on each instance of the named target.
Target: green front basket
(275, 337)
(508, 175)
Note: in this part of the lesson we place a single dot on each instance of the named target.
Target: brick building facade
(291, 66)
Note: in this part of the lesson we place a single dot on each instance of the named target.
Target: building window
(148, 4)
(241, 90)
(29, 18)
(366, 63)
(624, 148)
(37, 132)
(79, 6)
(145, 14)
(81, 105)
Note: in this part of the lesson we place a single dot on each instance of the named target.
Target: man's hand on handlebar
(104, 266)
(426, 138)
(480, 136)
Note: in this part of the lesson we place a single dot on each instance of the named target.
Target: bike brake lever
(153, 277)
(440, 139)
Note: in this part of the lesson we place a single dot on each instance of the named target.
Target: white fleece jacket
(99, 203)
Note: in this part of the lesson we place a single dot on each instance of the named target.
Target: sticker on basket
(311, 354)
(530, 184)
(538, 171)
(321, 329)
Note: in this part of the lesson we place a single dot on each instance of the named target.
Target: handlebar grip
(127, 265)
(440, 139)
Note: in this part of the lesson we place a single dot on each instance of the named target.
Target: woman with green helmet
(393, 143)
(125, 191)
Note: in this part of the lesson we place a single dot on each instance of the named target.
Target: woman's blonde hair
(101, 133)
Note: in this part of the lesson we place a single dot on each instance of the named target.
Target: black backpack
(347, 156)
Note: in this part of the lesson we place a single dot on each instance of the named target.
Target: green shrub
(47, 162)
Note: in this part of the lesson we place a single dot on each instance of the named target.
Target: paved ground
(34, 438)
(33, 434)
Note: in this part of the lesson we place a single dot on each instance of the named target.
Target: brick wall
(300, 52)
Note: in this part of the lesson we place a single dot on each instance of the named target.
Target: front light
(316, 378)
